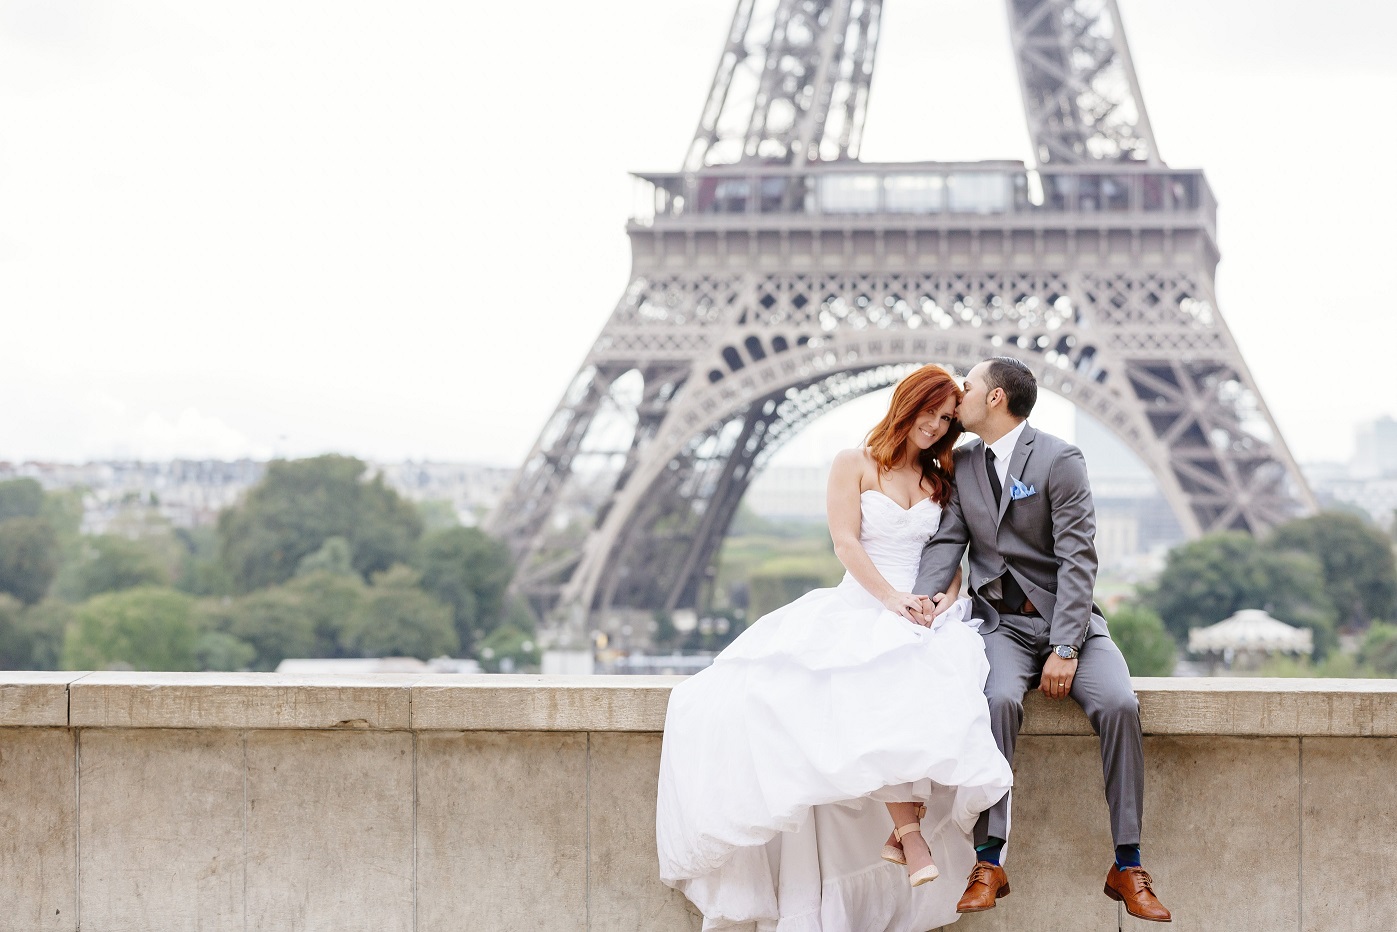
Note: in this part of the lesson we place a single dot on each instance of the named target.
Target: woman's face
(931, 425)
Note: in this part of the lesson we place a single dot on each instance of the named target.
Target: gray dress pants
(1017, 650)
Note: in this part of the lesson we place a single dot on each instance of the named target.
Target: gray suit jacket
(1047, 539)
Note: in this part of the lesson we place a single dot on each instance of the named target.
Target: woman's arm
(844, 509)
(944, 600)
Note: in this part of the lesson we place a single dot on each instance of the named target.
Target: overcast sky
(394, 229)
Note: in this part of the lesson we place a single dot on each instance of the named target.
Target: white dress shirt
(1003, 451)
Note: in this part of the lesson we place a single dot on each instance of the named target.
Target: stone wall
(152, 802)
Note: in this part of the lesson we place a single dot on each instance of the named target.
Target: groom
(1023, 505)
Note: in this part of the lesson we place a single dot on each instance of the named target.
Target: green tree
(274, 622)
(14, 645)
(334, 557)
(470, 571)
(29, 556)
(786, 579)
(301, 504)
(329, 600)
(508, 649)
(1207, 580)
(201, 572)
(1142, 638)
(1379, 649)
(144, 629)
(108, 563)
(219, 650)
(20, 498)
(41, 631)
(438, 514)
(1360, 574)
(398, 619)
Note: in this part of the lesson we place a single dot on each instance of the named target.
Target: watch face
(1063, 651)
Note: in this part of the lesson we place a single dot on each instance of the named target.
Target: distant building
(1375, 450)
(191, 493)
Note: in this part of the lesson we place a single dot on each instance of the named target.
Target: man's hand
(1057, 677)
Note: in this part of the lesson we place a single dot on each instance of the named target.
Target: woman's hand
(907, 605)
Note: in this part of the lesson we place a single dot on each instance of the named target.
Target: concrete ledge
(541, 703)
(35, 698)
(240, 700)
(1168, 706)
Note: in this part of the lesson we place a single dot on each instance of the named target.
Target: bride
(840, 715)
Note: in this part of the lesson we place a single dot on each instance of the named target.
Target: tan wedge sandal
(926, 874)
(894, 853)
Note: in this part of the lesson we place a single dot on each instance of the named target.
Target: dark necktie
(993, 474)
(1013, 592)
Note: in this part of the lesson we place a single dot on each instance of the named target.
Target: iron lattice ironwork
(777, 277)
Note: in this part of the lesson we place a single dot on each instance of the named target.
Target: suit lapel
(982, 480)
(1016, 469)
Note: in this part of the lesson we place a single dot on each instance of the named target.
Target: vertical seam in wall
(247, 854)
(414, 820)
(77, 825)
(587, 833)
(1300, 833)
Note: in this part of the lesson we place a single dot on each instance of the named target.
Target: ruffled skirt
(777, 760)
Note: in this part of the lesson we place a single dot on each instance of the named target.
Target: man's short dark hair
(1020, 387)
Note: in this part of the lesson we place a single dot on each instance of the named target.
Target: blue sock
(989, 851)
(1127, 856)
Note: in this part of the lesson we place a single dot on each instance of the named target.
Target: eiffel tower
(777, 276)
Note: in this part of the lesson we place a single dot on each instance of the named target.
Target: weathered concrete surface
(624, 772)
(541, 703)
(239, 700)
(502, 830)
(36, 698)
(1218, 808)
(1061, 845)
(259, 802)
(1348, 824)
(161, 824)
(38, 830)
(1267, 707)
(330, 833)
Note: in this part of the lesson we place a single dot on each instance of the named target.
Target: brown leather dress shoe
(987, 883)
(1134, 887)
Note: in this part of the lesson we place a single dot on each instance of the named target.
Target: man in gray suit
(1022, 504)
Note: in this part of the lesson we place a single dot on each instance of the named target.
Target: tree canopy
(397, 619)
(29, 557)
(108, 563)
(1360, 573)
(469, 571)
(20, 498)
(1207, 580)
(301, 504)
(147, 628)
(1142, 638)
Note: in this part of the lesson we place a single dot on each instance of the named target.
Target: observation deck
(984, 194)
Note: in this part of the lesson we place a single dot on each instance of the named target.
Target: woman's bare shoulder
(855, 464)
(859, 456)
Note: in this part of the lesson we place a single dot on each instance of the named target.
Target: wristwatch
(1065, 652)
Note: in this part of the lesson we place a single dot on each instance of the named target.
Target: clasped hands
(918, 609)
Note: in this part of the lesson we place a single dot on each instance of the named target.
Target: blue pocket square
(1018, 490)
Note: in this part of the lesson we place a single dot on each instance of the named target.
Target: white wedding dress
(778, 758)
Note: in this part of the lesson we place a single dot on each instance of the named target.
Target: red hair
(926, 389)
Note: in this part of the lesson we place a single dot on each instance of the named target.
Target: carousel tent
(1253, 631)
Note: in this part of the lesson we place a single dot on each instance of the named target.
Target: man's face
(973, 407)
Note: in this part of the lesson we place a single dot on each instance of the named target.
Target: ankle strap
(907, 829)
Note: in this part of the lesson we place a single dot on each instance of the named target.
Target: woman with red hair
(783, 761)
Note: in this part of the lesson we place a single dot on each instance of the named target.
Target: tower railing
(841, 190)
